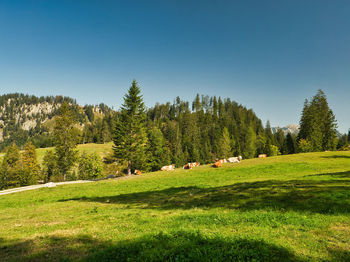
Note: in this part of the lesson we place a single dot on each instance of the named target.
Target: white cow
(168, 168)
(235, 159)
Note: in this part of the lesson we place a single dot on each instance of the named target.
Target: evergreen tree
(280, 141)
(318, 124)
(225, 144)
(130, 140)
(250, 148)
(342, 142)
(291, 144)
(197, 105)
(66, 137)
(50, 169)
(268, 133)
(158, 153)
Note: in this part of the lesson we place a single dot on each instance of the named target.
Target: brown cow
(137, 172)
(187, 166)
(217, 164)
(190, 165)
(262, 156)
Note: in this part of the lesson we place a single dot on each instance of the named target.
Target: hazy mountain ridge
(293, 129)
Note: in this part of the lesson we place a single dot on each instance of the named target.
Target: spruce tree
(225, 144)
(291, 144)
(268, 133)
(50, 170)
(318, 124)
(130, 139)
(250, 140)
(158, 153)
(280, 140)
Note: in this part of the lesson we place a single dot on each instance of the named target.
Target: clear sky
(267, 55)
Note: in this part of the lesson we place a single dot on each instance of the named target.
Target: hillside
(27, 117)
(286, 208)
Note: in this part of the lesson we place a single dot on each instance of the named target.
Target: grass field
(101, 149)
(286, 208)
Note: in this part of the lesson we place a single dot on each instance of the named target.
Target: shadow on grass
(326, 197)
(180, 246)
(336, 156)
(339, 255)
(335, 175)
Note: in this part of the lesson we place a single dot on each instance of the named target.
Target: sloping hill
(28, 117)
(286, 208)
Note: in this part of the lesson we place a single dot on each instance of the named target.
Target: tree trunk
(129, 167)
(64, 177)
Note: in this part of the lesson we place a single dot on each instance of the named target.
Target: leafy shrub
(304, 146)
(90, 166)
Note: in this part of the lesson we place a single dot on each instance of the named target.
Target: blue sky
(267, 55)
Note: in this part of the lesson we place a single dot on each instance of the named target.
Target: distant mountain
(293, 129)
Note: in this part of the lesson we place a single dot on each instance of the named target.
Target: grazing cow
(168, 168)
(137, 172)
(217, 164)
(262, 156)
(195, 164)
(221, 161)
(190, 165)
(234, 159)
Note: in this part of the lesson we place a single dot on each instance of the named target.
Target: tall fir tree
(50, 170)
(318, 124)
(158, 152)
(291, 146)
(130, 139)
(268, 133)
(225, 144)
(280, 140)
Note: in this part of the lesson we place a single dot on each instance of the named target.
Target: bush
(274, 151)
(304, 146)
(90, 166)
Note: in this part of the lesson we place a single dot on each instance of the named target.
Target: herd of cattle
(218, 163)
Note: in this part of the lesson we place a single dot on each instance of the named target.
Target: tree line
(170, 133)
(211, 128)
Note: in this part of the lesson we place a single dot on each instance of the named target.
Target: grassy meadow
(286, 208)
(101, 149)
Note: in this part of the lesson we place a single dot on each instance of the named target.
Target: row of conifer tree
(171, 133)
(212, 128)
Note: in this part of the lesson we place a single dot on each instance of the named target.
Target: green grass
(286, 208)
(101, 149)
